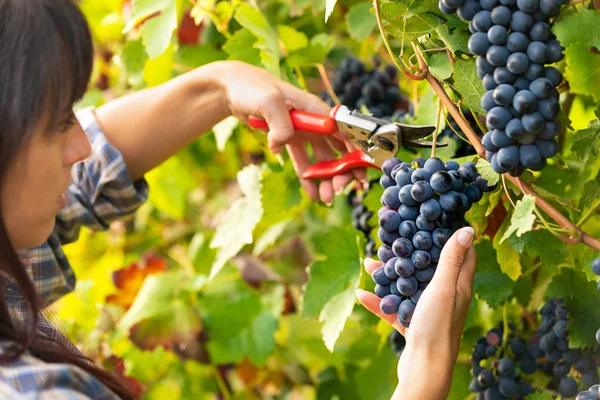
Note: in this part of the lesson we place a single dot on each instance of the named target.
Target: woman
(59, 172)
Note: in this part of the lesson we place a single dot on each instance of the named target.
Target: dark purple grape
(402, 247)
(533, 123)
(404, 267)
(407, 286)
(421, 259)
(422, 240)
(389, 304)
(521, 22)
(501, 15)
(407, 229)
(508, 157)
(537, 52)
(498, 35)
(495, 55)
(524, 102)
(517, 63)
(504, 94)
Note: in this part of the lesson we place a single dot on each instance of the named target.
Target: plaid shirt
(100, 192)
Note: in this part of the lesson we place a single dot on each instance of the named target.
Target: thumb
(452, 258)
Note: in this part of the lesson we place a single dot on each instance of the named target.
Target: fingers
(371, 265)
(465, 280)
(274, 108)
(300, 160)
(452, 259)
(371, 302)
(323, 152)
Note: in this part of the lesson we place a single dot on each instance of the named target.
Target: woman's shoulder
(30, 377)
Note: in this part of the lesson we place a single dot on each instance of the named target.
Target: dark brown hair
(46, 60)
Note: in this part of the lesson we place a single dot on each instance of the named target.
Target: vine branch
(580, 237)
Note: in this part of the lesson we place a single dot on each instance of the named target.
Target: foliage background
(230, 283)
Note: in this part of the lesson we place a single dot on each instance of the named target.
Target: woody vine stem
(579, 235)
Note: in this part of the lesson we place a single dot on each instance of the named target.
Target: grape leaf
(316, 52)
(542, 244)
(235, 229)
(171, 182)
(468, 84)
(583, 70)
(134, 59)
(490, 283)
(506, 256)
(414, 27)
(487, 172)
(586, 141)
(292, 39)
(333, 278)
(457, 41)
(360, 21)
(240, 46)
(382, 369)
(239, 320)
(522, 218)
(158, 29)
(439, 66)
(198, 55)
(286, 204)
(581, 297)
(580, 27)
(160, 69)
(393, 10)
(523, 290)
(269, 237)
(223, 131)
(427, 108)
(591, 192)
(267, 39)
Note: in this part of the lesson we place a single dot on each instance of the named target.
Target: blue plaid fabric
(100, 193)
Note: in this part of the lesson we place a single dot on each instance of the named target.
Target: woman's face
(33, 191)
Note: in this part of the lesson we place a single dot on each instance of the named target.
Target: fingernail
(328, 204)
(465, 236)
(358, 292)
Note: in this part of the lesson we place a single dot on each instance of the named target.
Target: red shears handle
(322, 125)
(305, 121)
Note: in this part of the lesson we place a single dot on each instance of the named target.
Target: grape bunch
(593, 393)
(423, 204)
(513, 41)
(563, 363)
(360, 219)
(497, 370)
(376, 89)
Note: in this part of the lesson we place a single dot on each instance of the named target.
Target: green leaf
(291, 38)
(240, 46)
(267, 40)
(360, 22)
(522, 218)
(426, 109)
(542, 244)
(583, 70)
(156, 31)
(490, 283)
(223, 131)
(414, 27)
(524, 290)
(586, 141)
(382, 370)
(487, 172)
(329, 5)
(198, 55)
(580, 27)
(539, 396)
(286, 204)
(581, 297)
(315, 53)
(332, 281)
(239, 320)
(235, 229)
(439, 66)
(160, 69)
(134, 59)
(461, 378)
(269, 237)
(591, 193)
(171, 182)
(457, 41)
(506, 256)
(404, 9)
(468, 84)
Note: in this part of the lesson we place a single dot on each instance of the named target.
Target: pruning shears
(376, 139)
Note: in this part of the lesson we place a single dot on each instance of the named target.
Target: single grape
(540, 31)
(441, 182)
(547, 148)
(549, 108)
(525, 102)
(541, 88)
(408, 213)
(457, 180)
(389, 304)
(534, 71)
(422, 240)
(555, 51)
(420, 175)
(467, 10)
(521, 22)
(550, 7)
(434, 164)
(424, 275)
(387, 237)
(503, 94)
(528, 6)
(497, 118)
(450, 202)
(389, 164)
(473, 193)
(483, 65)
(390, 197)
(450, 165)
(430, 209)
(506, 366)
(537, 52)
(531, 157)
(421, 259)
(404, 267)
(501, 15)
(533, 123)
(487, 143)
(407, 286)
(517, 42)
(406, 310)
(487, 101)
(479, 44)
(421, 191)
(386, 181)
(495, 55)
(567, 387)
(389, 221)
(514, 129)
(488, 82)
(521, 83)
(385, 252)
(468, 171)
(517, 63)
(440, 236)
(482, 21)
(405, 196)
(402, 175)
(379, 277)
(382, 291)
(507, 158)
(553, 75)
(435, 252)
(488, 4)
(407, 229)
(497, 34)
(402, 247)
